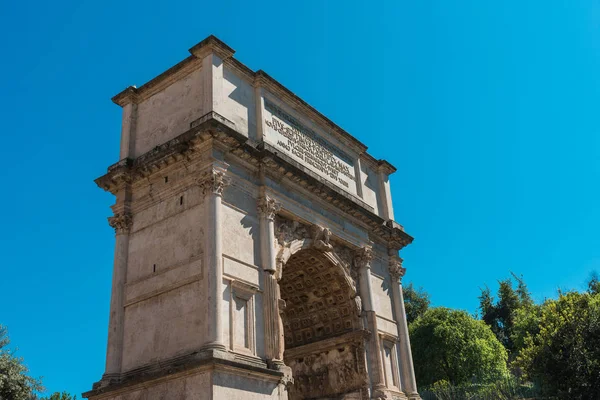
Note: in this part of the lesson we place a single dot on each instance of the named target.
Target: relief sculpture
(330, 372)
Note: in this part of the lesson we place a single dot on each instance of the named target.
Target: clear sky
(487, 108)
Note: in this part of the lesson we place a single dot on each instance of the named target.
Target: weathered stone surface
(256, 255)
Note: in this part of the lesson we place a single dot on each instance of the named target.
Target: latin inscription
(308, 147)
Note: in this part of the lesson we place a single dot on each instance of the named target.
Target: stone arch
(320, 296)
(342, 262)
(323, 331)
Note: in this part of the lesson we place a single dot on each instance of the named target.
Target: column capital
(121, 222)
(396, 269)
(363, 257)
(213, 181)
(268, 207)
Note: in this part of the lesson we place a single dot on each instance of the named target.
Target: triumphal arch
(256, 252)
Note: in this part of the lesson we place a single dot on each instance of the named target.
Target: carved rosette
(363, 257)
(121, 222)
(268, 207)
(396, 269)
(213, 181)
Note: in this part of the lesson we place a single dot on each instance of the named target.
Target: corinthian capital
(268, 207)
(396, 269)
(363, 257)
(121, 222)
(213, 181)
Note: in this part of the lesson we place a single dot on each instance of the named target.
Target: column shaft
(114, 348)
(213, 254)
(363, 262)
(213, 182)
(406, 361)
(267, 208)
(409, 383)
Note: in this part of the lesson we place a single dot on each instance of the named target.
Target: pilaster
(384, 170)
(128, 129)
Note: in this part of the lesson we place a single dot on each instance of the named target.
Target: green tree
(451, 345)
(500, 315)
(526, 324)
(15, 383)
(60, 396)
(563, 357)
(416, 302)
(594, 284)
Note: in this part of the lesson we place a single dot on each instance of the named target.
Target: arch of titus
(256, 252)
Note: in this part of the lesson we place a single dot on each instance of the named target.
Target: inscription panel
(305, 146)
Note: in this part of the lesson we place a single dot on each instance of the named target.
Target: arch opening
(323, 331)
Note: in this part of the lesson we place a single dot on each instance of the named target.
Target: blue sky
(487, 109)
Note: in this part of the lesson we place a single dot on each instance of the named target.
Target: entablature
(215, 129)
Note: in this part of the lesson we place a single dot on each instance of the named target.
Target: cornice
(215, 128)
(128, 171)
(212, 44)
(385, 167)
(209, 45)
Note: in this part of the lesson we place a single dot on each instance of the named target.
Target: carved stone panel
(329, 369)
(287, 231)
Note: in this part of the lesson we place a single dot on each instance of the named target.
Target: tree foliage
(594, 284)
(451, 345)
(15, 383)
(563, 355)
(502, 313)
(60, 396)
(416, 302)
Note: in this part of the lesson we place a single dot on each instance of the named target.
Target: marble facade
(256, 253)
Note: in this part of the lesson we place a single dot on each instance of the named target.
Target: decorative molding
(121, 222)
(241, 291)
(288, 231)
(396, 269)
(213, 181)
(212, 44)
(363, 257)
(187, 146)
(268, 207)
(321, 238)
(330, 368)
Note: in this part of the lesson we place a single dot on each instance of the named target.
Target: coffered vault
(256, 253)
